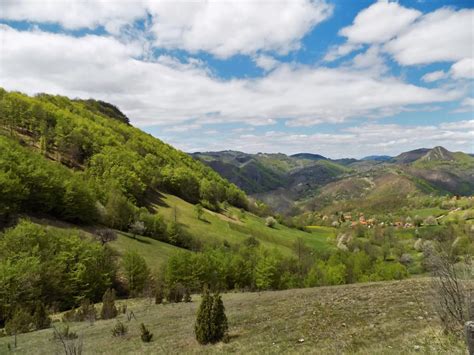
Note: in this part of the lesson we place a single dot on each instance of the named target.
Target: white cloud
(464, 69)
(166, 93)
(336, 52)
(412, 38)
(266, 62)
(444, 35)
(434, 76)
(467, 105)
(359, 141)
(73, 14)
(379, 23)
(223, 28)
(459, 125)
(371, 60)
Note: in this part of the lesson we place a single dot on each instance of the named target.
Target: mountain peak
(438, 153)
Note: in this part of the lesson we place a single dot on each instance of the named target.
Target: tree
(199, 211)
(136, 271)
(106, 235)
(109, 310)
(219, 324)
(40, 317)
(137, 228)
(211, 322)
(202, 327)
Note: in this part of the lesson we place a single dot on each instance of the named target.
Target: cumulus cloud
(223, 28)
(342, 50)
(73, 14)
(444, 35)
(266, 62)
(433, 76)
(410, 37)
(357, 141)
(464, 69)
(164, 92)
(379, 23)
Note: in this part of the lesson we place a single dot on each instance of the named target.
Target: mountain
(312, 181)
(438, 154)
(378, 158)
(308, 156)
(411, 156)
(276, 179)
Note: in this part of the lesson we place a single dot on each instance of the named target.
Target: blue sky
(338, 78)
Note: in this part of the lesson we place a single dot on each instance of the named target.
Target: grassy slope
(376, 318)
(214, 230)
(219, 227)
(154, 251)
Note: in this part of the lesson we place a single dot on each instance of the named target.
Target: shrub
(187, 294)
(65, 333)
(119, 329)
(136, 272)
(219, 324)
(211, 321)
(270, 222)
(21, 322)
(108, 306)
(70, 316)
(431, 221)
(199, 211)
(159, 291)
(175, 293)
(86, 311)
(68, 340)
(40, 317)
(146, 335)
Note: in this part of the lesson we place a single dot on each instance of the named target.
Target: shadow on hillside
(137, 238)
(155, 197)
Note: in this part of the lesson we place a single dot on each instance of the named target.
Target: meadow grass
(372, 318)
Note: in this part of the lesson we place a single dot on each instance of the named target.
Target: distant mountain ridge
(284, 181)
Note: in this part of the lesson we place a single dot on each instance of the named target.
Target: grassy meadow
(378, 318)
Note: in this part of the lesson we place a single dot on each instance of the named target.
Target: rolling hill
(311, 181)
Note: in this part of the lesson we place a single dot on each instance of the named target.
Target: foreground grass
(372, 318)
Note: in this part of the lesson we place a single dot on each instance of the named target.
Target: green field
(154, 251)
(373, 318)
(230, 226)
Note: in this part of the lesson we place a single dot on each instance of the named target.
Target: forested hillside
(107, 166)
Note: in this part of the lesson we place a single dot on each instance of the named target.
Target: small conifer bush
(119, 329)
(109, 310)
(146, 335)
(40, 317)
(211, 322)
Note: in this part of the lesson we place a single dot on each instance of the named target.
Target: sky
(335, 77)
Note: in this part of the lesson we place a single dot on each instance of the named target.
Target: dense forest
(114, 165)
